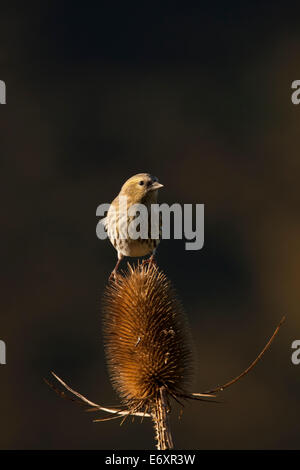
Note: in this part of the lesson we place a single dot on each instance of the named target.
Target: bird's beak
(156, 185)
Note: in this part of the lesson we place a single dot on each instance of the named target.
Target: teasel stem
(160, 417)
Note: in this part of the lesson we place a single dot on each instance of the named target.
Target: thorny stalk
(161, 410)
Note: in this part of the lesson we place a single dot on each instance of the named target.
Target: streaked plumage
(139, 189)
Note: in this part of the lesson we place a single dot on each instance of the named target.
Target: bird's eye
(141, 183)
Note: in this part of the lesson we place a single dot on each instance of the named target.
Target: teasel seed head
(146, 337)
(149, 350)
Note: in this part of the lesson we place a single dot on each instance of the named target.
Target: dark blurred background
(200, 97)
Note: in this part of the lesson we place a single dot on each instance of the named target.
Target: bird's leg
(113, 274)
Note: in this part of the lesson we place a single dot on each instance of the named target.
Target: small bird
(139, 189)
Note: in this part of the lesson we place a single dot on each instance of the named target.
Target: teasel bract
(147, 344)
(149, 351)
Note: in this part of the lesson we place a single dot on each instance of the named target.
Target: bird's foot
(113, 276)
(150, 261)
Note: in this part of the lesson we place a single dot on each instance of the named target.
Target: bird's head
(142, 187)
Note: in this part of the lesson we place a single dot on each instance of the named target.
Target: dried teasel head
(149, 350)
(146, 337)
